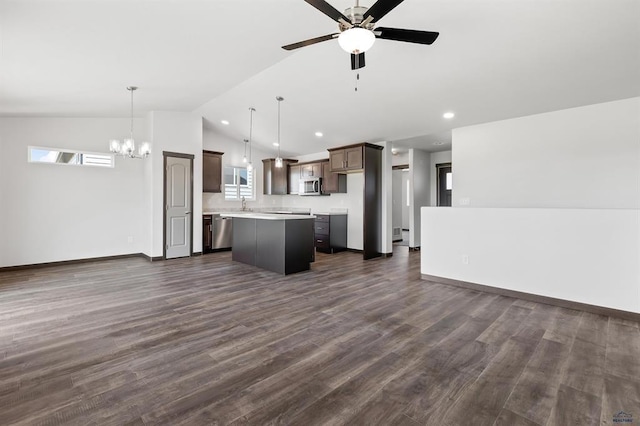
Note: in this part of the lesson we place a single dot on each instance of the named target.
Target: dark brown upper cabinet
(211, 171)
(332, 183)
(276, 179)
(311, 170)
(346, 159)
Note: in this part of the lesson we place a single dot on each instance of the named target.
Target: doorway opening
(400, 199)
(444, 185)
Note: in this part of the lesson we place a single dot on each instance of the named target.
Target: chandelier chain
(279, 99)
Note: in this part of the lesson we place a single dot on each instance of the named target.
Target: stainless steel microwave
(310, 186)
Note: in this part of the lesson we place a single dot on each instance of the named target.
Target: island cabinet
(330, 232)
(294, 179)
(333, 183)
(346, 159)
(278, 243)
(211, 171)
(276, 179)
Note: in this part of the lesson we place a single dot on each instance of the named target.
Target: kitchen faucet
(244, 204)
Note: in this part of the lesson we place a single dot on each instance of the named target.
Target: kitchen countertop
(266, 216)
(261, 210)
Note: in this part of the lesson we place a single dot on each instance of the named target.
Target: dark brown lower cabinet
(330, 232)
(207, 223)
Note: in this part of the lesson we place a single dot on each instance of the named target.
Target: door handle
(187, 212)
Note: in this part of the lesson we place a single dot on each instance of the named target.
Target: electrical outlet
(465, 201)
(130, 239)
(465, 259)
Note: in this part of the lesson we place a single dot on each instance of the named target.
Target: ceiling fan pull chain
(357, 79)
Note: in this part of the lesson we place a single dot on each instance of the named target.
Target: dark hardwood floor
(209, 341)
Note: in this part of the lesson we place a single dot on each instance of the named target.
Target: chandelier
(127, 148)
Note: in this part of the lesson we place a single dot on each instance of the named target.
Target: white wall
(583, 255)
(179, 132)
(56, 212)
(401, 159)
(560, 194)
(419, 175)
(587, 157)
(439, 158)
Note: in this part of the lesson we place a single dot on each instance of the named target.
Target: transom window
(69, 157)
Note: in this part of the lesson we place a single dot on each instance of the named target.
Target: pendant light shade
(244, 157)
(128, 146)
(278, 158)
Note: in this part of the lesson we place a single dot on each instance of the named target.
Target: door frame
(165, 155)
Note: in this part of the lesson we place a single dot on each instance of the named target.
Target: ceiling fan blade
(329, 10)
(381, 8)
(357, 61)
(411, 36)
(309, 42)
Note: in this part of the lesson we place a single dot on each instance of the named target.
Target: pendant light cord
(251, 110)
(279, 99)
(131, 90)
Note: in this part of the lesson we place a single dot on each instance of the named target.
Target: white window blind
(238, 183)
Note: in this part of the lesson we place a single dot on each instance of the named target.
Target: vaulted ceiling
(494, 59)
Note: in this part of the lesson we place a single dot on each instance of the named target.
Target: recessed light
(319, 134)
(438, 143)
(225, 122)
(276, 144)
(448, 115)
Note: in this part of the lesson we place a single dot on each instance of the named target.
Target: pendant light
(278, 158)
(251, 111)
(128, 146)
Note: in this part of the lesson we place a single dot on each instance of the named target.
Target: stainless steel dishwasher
(222, 232)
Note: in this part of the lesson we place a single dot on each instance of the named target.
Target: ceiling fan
(358, 31)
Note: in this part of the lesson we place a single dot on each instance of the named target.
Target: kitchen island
(281, 243)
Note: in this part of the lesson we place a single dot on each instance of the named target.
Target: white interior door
(178, 207)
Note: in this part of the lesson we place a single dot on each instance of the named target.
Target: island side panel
(270, 253)
(299, 247)
(244, 240)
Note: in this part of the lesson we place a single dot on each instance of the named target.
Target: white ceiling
(494, 59)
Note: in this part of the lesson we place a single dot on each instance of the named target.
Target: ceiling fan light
(356, 40)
